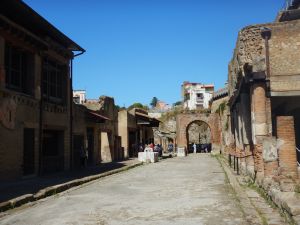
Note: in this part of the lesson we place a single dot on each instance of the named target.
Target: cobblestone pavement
(191, 190)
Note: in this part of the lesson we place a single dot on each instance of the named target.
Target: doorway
(28, 152)
(78, 146)
(90, 147)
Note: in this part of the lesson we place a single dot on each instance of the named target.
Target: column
(259, 124)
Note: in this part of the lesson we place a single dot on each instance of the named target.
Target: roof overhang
(21, 14)
(96, 117)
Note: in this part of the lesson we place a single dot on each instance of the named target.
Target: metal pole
(237, 166)
(71, 113)
(234, 163)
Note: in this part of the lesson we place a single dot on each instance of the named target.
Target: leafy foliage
(177, 103)
(138, 105)
(154, 102)
(221, 108)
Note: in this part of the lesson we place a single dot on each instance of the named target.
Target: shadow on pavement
(13, 189)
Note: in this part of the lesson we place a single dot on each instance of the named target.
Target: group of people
(195, 148)
(155, 148)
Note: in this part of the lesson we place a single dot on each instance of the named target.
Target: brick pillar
(2, 67)
(259, 124)
(287, 146)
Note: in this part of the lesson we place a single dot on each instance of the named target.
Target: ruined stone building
(166, 132)
(109, 134)
(264, 98)
(109, 142)
(135, 127)
(87, 130)
(196, 95)
(35, 93)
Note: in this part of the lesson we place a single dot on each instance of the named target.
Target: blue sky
(137, 49)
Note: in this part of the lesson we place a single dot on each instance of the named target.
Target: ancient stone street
(191, 190)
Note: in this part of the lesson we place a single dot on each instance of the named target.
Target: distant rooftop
(23, 15)
(187, 83)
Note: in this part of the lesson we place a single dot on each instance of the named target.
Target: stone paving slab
(190, 190)
(56, 183)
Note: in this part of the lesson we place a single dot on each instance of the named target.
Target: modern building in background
(163, 106)
(79, 96)
(196, 95)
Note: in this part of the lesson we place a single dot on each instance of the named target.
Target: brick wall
(287, 146)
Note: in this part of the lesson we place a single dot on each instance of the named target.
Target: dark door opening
(28, 152)
(53, 149)
(78, 145)
(132, 145)
(90, 140)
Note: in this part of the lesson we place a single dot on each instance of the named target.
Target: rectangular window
(54, 81)
(199, 95)
(19, 69)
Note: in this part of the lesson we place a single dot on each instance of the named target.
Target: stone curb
(253, 216)
(286, 201)
(43, 193)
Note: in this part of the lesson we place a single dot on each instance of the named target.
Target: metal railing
(298, 150)
(236, 166)
(236, 159)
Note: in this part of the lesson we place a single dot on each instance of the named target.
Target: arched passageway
(210, 121)
(198, 135)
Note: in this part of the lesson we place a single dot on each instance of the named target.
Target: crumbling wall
(248, 54)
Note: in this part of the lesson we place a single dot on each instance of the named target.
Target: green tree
(138, 105)
(154, 102)
(177, 103)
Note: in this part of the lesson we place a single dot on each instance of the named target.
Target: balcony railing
(199, 100)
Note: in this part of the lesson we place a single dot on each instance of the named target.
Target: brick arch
(185, 119)
(197, 122)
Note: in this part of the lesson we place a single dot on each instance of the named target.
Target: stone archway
(183, 120)
(199, 133)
